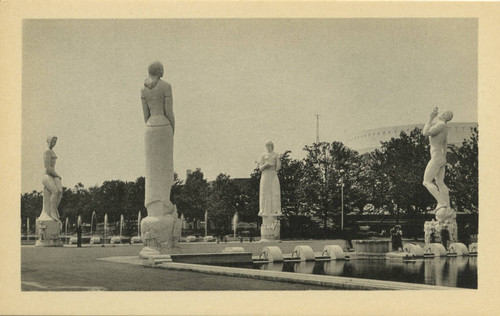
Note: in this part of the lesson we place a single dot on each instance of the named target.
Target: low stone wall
(287, 247)
(213, 258)
(371, 246)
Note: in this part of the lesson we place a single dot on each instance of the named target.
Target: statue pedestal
(48, 231)
(160, 235)
(444, 216)
(270, 229)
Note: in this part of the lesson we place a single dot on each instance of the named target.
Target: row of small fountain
(114, 239)
(335, 252)
(97, 239)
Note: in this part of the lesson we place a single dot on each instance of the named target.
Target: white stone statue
(436, 128)
(48, 224)
(269, 194)
(160, 226)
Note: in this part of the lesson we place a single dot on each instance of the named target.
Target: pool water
(453, 272)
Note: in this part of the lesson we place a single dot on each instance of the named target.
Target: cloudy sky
(236, 83)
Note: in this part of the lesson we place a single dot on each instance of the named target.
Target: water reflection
(274, 266)
(390, 270)
(410, 267)
(304, 267)
(433, 272)
(452, 272)
(334, 267)
(473, 263)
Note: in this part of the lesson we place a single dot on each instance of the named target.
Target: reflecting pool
(453, 272)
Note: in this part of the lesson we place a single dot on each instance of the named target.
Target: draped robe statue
(270, 194)
(161, 228)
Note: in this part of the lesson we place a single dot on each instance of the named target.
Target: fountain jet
(92, 222)
(105, 225)
(235, 223)
(139, 224)
(121, 224)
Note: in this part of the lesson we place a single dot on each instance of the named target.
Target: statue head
(269, 146)
(156, 69)
(51, 141)
(446, 116)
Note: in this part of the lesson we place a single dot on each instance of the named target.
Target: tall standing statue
(436, 128)
(269, 194)
(49, 225)
(162, 224)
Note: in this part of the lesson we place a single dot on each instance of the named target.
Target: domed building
(369, 140)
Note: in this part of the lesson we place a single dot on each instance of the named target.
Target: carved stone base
(167, 249)
(147, 252)
(435, 227)
(270, 229)
(160, 234)
(48, 231)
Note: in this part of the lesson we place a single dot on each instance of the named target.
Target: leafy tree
(463, 173)
(316, 188)
(192, 197)
(224, 201)
(250, 199)
(93, 205)
(176, 189)
(348, 169)
(326, 167)
(290, 176)
(134, 199)
(66, 207)
(75, 202)
(397, 171)
(31, 207)
(111, 200)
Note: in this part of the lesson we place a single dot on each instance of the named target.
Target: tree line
(388, 179)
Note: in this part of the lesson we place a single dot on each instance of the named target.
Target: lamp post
(341, 181)
(206, 223)
(325, 190)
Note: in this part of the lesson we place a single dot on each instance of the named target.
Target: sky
(237, 83)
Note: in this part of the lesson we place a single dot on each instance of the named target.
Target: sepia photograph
(249, 155)
(266, 147)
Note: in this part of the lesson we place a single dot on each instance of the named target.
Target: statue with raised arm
(269, 194)
(436, 128)
(48, 224)
(162, 220)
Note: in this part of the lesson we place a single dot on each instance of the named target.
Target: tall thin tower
(317, 128)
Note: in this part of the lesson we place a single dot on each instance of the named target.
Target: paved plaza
(77, 269)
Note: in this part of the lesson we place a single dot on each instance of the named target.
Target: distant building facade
(368, 140)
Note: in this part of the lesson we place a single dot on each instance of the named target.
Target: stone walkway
(77, 269)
